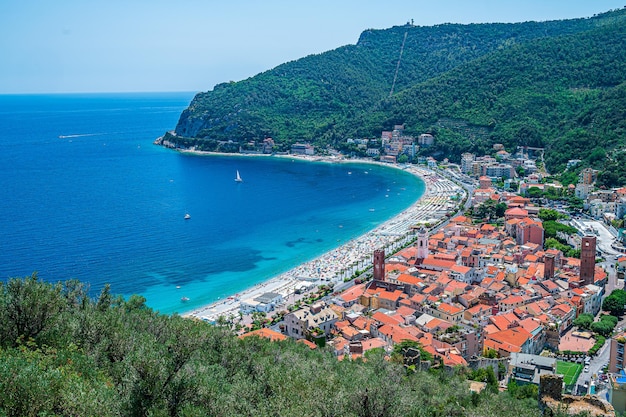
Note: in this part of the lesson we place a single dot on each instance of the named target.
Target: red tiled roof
(265, 333)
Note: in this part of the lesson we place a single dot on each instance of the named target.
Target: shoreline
(341, 262)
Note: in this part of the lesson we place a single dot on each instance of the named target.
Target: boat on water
(184, 299)
(238, 177)
(187, 216)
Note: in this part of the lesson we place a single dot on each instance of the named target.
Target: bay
(86, 195)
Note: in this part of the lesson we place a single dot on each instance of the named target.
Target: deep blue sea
(85, 194)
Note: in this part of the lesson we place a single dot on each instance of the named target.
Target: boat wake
(80, 135)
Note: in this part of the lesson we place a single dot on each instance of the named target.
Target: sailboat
(238, 177)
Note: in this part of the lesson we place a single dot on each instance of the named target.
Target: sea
(86, 195)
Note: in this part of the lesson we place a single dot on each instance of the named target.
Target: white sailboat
(238, 177)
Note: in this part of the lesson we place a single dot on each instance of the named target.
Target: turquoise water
(86, 195)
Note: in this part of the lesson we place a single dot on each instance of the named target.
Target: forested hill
(451, 80)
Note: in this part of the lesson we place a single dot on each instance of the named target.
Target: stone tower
(379, 264)
(588, 259)
(548, 266)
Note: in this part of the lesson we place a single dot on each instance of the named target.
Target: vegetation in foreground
(62, 353)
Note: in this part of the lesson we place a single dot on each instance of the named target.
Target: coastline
(334, 265)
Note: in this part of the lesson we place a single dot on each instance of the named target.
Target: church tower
(422, 246)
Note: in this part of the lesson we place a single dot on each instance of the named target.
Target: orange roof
(308, 343)
(516, 337)
(390, 295)
(265, 333)
(397, 333)
(341, 324)
(449, 308)
(497, 346)
(479, 309)
(386, 319)
(460, 219)
(452, 359)
(396, 267)
(445, 256)
(437, 263)
(409, 252)
(430, 288)
(409, 279)
(352, 293)
(350, 332)
(460, 269)
(373, 343)
(362, 323)
(418, 298)
(490, 328)
(529, 324)
(500, 321)
(516, 211)
(405, 311)
(513, 299)
(455, 285)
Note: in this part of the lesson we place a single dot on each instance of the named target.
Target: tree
(602, 327)
(549, 214)
(400, 349)
(614, 305)
(534, 192)
(583, 321)
(28, 308)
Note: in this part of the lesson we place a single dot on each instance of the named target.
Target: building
(301, 323)
(588, 259)
(499, 171)
(379, 264)
(425, 139)
(617, 391)
(588, 176)
(527, 369)
(466, 162)
(528, 230)
(302, 149)
(616, 357)
(264, 303)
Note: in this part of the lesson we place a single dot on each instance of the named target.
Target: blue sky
(191, 45)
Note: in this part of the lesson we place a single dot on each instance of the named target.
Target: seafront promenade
(441, 197)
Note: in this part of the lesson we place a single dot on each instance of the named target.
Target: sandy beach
(341, 262)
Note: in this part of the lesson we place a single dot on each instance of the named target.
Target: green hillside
(64, 354)
(557, 84)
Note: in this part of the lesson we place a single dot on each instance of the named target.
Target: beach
(340, 263)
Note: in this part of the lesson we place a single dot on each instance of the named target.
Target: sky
(81, 46)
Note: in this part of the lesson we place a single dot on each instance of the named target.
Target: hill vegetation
(558, 85)
(63, 353)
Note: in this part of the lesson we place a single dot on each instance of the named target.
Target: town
(521, 279)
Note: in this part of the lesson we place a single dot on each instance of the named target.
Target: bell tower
(379, 264)
(422, 246)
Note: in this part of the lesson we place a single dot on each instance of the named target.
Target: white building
(299, 323)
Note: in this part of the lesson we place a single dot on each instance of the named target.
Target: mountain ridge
(329, 97)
